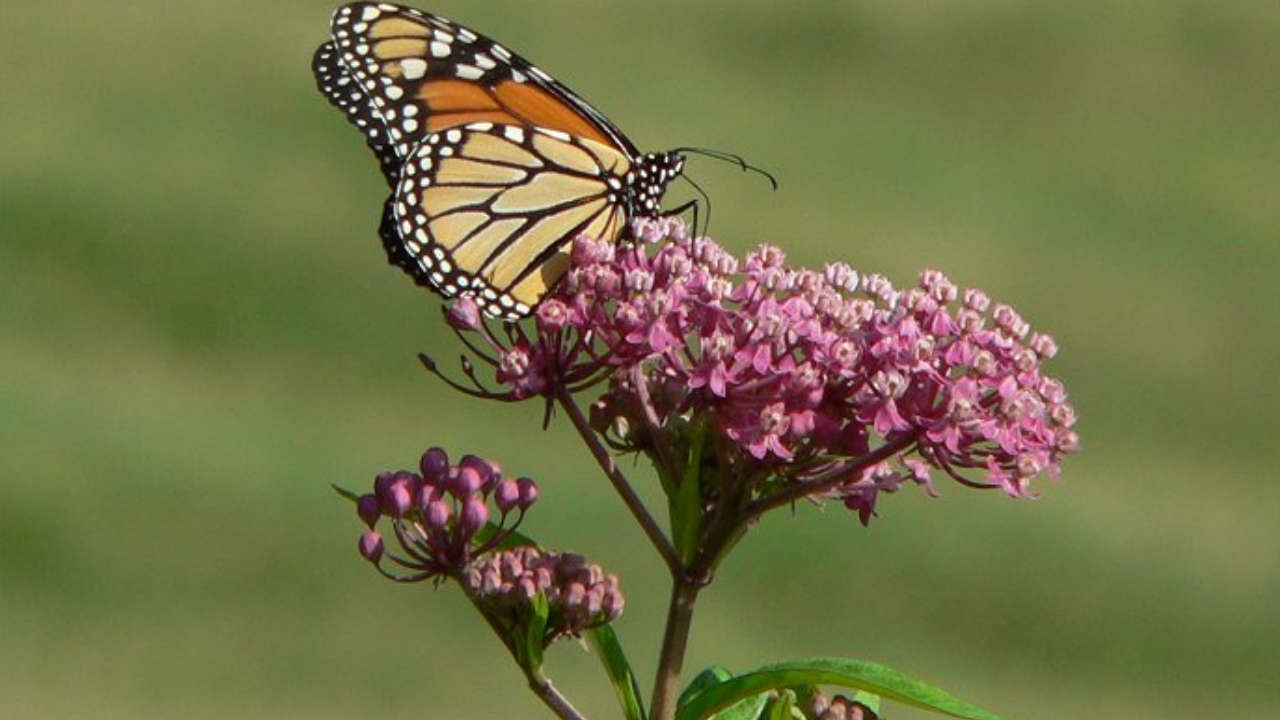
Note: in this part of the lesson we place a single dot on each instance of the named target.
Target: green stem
(675, 640)
(620, 484)
(552, 698)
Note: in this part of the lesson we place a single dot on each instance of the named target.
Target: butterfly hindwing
(489, 210)
(344, 93)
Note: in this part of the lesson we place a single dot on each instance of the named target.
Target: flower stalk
(750, 386)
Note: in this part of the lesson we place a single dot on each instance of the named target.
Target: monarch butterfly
(494, 166)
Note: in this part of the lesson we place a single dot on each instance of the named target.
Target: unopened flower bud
(371, 546)
(434, 464)
(369, 509)
(475, 513)
(464, 314)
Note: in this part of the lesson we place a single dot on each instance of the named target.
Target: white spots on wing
(468, 72)
(503, 53)
(466, 35)
(485, 62)
(395, 92)
(514, 134)
(439, 49)
(370, 13)
(409, 124)
(518, 76)
(413, 68)
(453, 135)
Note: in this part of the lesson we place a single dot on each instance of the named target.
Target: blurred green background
(198, 334)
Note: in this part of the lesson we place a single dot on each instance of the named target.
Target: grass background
(198, 334)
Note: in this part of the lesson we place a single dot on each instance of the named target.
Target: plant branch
(675, 640)
(831, 477)
(620, 484)
(552, 698)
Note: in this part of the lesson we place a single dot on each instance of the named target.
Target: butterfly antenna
(730, 158)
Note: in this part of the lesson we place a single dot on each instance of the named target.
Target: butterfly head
(649, 182)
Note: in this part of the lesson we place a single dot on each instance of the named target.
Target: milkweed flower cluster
(828, 382)
(439, 513)
(579, 595)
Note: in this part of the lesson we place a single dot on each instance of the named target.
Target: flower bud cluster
(438, 514)
(838, 708)
(580, 595)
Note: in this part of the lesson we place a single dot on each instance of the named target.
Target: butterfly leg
(691, 205)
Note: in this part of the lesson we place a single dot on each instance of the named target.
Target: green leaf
(353, 497)
(871, 700)
(513, 538)
(708, 678)
(784, 707)
(751, 708)
(857, 674)
(535, 634)
(615, 663)
(686, 506)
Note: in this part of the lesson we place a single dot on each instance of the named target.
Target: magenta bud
(528, 492)
(575, 595)
(371, 546)
(489, 473)
(383, 482)
(464, 314)
(369, 509)
(474, 515)
(399, 499)
(464, 482)
(526, 589)
(614, 603)
(434, 464)
(396, 494)
(507, 496)
(438, 514)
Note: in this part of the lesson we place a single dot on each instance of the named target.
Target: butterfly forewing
(423, 74)
(495, 166)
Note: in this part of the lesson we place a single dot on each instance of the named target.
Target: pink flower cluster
(580, 595)
(438, 514)
(827, 380)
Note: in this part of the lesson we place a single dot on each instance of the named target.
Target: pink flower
(798, 375)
